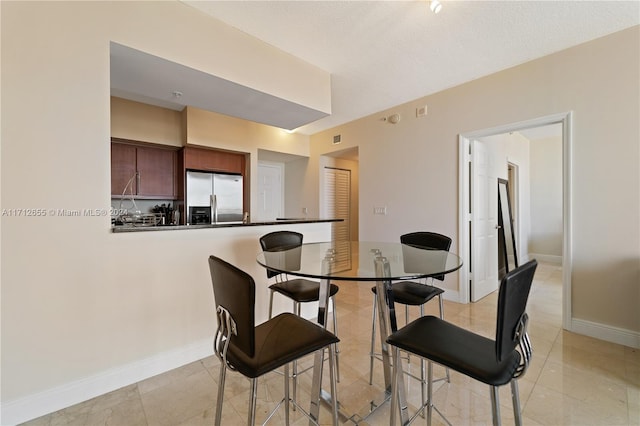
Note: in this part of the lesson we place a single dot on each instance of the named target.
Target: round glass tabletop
(355, 261)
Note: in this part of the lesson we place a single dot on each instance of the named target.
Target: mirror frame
(505, 216)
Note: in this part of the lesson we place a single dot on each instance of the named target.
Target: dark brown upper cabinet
(213, 160)
(145, 171)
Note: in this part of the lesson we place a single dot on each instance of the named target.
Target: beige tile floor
(573, 380)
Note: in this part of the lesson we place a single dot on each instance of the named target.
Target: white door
(270, 191)
(484, 213)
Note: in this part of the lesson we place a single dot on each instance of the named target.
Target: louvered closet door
(337, 202)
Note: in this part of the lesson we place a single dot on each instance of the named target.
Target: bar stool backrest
(428, 240)
(512, 303)
(235, 291)
(280, 240)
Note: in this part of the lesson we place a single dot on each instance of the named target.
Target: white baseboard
(33, 406)
(452, 295)
(546, 258)
(606, 332)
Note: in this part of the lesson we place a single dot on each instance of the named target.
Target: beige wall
(146, 123)
(546, 197)
(83, 310)
(412, 167)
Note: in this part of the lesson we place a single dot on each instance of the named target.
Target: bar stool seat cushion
(301, 290)
(454, 347)
(412, 293)
(279, 341)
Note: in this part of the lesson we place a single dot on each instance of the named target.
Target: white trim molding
(547, 258)
(606, 332)
(68, 394)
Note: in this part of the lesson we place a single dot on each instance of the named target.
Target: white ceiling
(385, 53)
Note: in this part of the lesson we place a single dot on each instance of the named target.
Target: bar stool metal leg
(335, 331)
(287, 398)
(271, 304)
(395, 400)
(448, 377)
(221, 380)
(430, 394)
(495, 405)
(372, 353)
(252, 402)
(294, 373)
(515, 398)
(333, 367)
(423, 384)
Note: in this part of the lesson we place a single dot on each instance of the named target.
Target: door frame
(464, 216)
(514, 195)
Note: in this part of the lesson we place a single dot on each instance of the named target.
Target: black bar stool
(411, 293)
(299, 290)
(256, 350)
(494, 362)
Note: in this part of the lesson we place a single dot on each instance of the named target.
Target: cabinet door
(123, 168)
(212, 160)
(157, 172)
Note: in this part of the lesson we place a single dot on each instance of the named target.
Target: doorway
(270, 191)
(342, 165)
(467, 185)
(337, 201)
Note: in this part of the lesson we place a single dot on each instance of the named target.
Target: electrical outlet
(305, 211)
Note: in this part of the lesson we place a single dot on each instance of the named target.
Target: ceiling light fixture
(435, 6)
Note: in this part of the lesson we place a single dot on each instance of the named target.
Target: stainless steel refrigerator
(213, 197)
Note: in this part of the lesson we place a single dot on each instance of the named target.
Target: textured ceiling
(381, 54)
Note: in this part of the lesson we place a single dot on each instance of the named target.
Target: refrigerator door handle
(214, 208)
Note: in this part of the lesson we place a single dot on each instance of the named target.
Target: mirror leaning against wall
(507, 254)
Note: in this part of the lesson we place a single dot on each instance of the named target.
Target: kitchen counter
(282, 221)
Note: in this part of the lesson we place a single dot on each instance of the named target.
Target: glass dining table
(379, 262)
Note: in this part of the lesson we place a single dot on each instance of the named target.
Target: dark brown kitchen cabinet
(123, 168)
(157, 172)
(213, 160)
(150, 171)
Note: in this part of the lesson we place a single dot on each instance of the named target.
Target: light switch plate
(380, 210)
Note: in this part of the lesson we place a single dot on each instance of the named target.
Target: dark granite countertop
(132, 228)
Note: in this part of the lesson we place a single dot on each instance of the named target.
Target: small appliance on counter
(199, 215)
